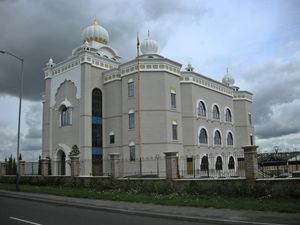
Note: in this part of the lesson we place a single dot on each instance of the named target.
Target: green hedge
(289, 188)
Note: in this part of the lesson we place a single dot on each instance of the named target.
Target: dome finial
(95, 22)
(189, 68)
(149, 46)
(95, 32)
(227, 79)
(50, 63)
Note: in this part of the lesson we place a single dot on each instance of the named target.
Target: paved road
(55, 210)
(18, 211)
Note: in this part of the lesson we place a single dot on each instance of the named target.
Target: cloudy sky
(258, 40)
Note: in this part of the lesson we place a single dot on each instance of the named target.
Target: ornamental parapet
(242, 96)
(206, 83)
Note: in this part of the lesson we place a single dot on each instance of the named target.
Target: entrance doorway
(61, 163)
(190, 166)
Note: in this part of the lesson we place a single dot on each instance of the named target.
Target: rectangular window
(132, 153)
(131, 120)
(111, 139)
(174, 132)
(131, 89)
(250, 119)
(251, 140)
(173, 100)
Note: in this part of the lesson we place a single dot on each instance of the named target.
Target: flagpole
(139, 103)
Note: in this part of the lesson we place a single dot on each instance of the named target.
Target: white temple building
(139, 109)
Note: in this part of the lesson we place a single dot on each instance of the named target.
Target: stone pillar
(251, 165)
(171, 165)
(2, 168)
(21, 167)
(115, 165)
(45, 167)
(74, 166)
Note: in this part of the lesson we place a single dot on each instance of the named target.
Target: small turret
(50, 64)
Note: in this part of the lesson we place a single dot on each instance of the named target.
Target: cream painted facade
(169, 110)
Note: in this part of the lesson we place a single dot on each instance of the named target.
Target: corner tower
(73, 103)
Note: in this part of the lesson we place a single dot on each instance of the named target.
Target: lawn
(262, 204)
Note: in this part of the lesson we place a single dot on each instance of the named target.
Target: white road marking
(24, 221)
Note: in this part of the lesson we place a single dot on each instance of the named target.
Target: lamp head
(2, 51)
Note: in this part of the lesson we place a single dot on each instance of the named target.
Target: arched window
(204, 163)
(228, 116)
(201, 110)
(217, 138)
(203, 136)
(65, 115)
(231, 163)
(111, 137)
(229, 138)
(219, 163)
(216, 112)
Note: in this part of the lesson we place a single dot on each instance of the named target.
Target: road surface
(18, 211)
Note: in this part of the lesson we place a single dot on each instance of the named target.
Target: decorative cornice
(207, 84)
(73, 62)
(144, 67)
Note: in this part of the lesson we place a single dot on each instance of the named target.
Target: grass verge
(261, 204)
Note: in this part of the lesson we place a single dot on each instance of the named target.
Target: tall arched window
(219, 163)
(229, 138)
(97, 102)
(217, 138)
(216, 112)
(97, 144)
(201, 110)
(203, 136)
(204, 163)
(228, 116)
(231, 163)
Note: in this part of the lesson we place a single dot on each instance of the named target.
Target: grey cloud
(29, 147)
(276, 96)
(285, 123)
(33, 119)
(161, 9)
(32, 146)
(8, 141)
(30, 143)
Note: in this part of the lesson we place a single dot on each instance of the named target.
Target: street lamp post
(19, 118)
(276, 148)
